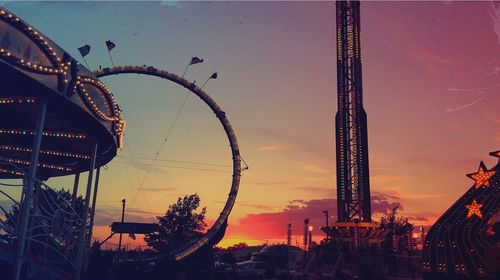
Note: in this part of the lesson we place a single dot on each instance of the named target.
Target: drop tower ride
(353, 182)
(354, 229)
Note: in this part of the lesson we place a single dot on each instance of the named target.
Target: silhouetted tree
(61, 197)
(395, 225)
(237, 246)
(179, 225)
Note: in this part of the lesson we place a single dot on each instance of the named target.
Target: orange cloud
(273, 224)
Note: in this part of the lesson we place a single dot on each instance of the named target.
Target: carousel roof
(80, 109)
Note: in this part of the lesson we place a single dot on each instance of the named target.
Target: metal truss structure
(53, 225)
(353, 185)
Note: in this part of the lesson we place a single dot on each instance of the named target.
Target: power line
(129, 150)
(177, 167)
(166, 137)
(177, 161)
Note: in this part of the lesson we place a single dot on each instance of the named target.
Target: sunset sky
(431, 79)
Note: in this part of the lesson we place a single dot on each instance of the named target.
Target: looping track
(219, 224)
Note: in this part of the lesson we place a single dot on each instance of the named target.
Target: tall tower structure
(353, 184)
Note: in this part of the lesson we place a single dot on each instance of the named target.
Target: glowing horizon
(430, 73)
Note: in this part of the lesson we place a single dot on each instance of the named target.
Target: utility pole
(422, 237)
(289, 235)
(410, 240)
(306, 233)
(326, 217)
(123, 218)
(310, 229)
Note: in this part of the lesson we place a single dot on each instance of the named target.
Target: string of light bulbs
(47, 152)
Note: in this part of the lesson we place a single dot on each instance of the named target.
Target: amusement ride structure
(221, 222)
(58, 119)
(462, 243)
(354, 227)
(353, 181)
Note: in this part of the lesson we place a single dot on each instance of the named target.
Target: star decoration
(482, 177)
(495, 154)
(474, 209)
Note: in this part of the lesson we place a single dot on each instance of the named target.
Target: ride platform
(351, 236)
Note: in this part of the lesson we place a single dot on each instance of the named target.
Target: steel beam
(28, 186)
(92, 209)
(85, 211)
(74, 195)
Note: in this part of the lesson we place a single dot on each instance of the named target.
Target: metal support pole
(92, 210)
(357, 237)
(123, 218)
(75, 190)
(306, 233)
(34, 204)
(422, 237)
(410, 240)
(394, 240)
(84, 216)
(28, 189)
(289, 235)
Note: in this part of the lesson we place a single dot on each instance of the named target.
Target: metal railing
(53, 226)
